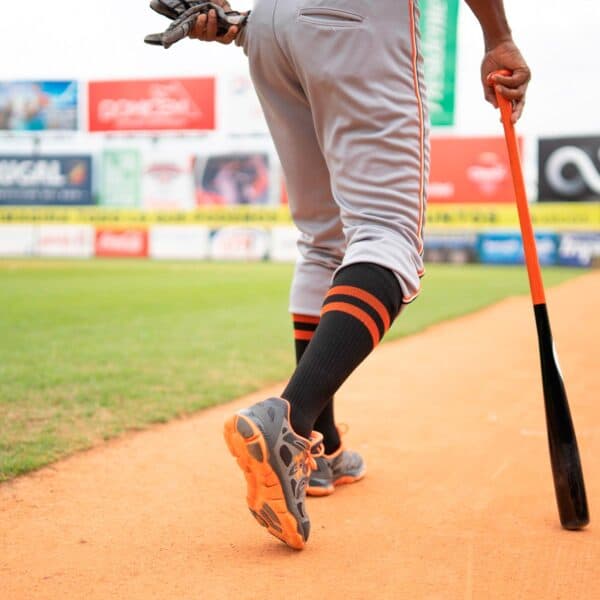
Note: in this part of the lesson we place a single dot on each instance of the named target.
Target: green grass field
(91, 349)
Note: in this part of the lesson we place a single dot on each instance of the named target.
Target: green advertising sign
(121, 171)
(439, 20)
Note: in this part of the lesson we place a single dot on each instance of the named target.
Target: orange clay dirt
(458, 501)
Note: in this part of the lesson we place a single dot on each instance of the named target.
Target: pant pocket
(330, 17)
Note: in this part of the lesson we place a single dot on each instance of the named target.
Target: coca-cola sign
(123, 243)
(152, 105)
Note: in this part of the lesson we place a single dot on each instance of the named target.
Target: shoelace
(316, 450)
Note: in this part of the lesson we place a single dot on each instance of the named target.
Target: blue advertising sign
(456, 248)
(506, 248)
(46, 180)
(579, 249)
(34, 106)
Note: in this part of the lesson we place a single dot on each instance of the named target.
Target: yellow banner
(554, 216)
(217, 216)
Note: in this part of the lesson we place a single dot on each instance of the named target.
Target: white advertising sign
(68, 241)
(179, 242)
(16, 240)
(239, 243)
(284, 242)
(168, 182)
(240, 112)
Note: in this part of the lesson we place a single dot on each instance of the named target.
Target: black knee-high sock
(358, 309)
(304, 329)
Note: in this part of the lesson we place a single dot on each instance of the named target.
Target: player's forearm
(491, 16)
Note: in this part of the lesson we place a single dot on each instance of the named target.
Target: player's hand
(205, 28)
(506, 55)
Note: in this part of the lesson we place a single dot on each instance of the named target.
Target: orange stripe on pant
(357, 313)
(372, 301)
(415, 69)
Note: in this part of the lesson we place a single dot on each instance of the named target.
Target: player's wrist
(495, 39)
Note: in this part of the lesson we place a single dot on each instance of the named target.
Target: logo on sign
(584, 173)
(44, 180)
(569, 168)
(126, 243)
(239, 243)
(164, 101)
(65, 240)
(164, 172)
(488, 173)
(148, 105)
(579, 249)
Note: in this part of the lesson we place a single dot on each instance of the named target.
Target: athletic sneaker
(277, 464)
(343, 466)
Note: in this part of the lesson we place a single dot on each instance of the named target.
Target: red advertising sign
(122, 243)
(152, 105)
(469, 170)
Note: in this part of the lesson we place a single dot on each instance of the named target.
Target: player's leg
(360, 68)
(370, 117)
(275, 459)
(304, 330)
(315, 213)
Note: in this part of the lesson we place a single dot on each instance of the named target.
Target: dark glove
(184, 14)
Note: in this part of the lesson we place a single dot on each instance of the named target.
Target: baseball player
(341, 86)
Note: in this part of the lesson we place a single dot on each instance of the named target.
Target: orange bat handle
(531, 256)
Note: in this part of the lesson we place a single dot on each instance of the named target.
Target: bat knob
(490, 78)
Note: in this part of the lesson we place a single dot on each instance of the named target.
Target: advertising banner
(167, 181)
(506, 248)
(555, 216)
(240, 112)
(34, 106)
(451, 248)
(569, 168)
(64, 241)
(121, 243)
(470, 170)
(121, 178)
(284, 244)
(48, 180)
(232, 179)
(579, 249)
(179, 242)
(152, 105)
(439, 22)
(16, 240)
(239, 243)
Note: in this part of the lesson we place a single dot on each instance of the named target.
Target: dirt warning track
(458, 501)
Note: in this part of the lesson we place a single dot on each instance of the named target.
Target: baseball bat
(564, 453)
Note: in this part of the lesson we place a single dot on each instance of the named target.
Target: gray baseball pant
(341, 86)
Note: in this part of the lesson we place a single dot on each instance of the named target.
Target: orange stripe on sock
(372, 301)
(300, 334)
(357, 313)
(306, 319)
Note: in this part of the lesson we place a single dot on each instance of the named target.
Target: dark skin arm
(501, 53)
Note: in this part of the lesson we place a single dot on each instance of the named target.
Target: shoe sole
(265, 495)
(327, 491)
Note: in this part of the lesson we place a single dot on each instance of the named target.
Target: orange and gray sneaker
(277, 464)
(343, 466)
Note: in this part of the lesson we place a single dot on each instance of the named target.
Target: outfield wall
(256, 242)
